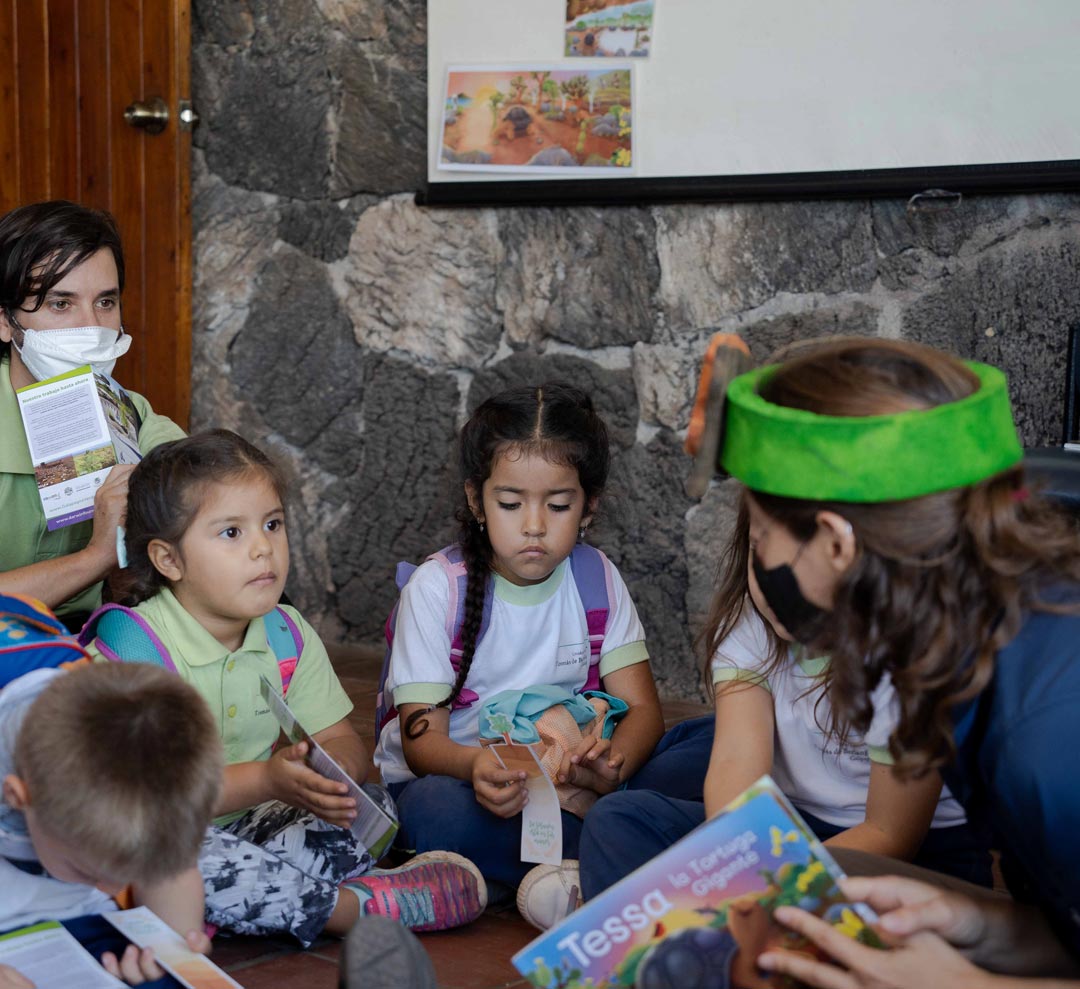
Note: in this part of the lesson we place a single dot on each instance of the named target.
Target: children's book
(699, 914)
(373, 828)
(78, 425)
(51, 958)
(143, 927)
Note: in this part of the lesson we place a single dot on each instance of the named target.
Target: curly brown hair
(939, 583)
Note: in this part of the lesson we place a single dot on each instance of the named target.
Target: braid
(476, 550)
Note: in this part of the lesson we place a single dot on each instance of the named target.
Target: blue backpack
(123, 635)
(32, 638)
(592, 572)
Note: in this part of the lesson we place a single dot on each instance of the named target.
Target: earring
(481, 524)
(581, 534)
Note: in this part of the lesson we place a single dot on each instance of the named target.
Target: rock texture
(350, 332)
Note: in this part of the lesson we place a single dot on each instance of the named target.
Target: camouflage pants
(277, 869)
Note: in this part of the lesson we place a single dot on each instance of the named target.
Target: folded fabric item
(556, 719)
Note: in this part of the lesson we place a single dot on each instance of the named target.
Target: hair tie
(1021, 494)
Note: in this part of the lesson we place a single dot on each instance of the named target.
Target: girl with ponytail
(534, 461)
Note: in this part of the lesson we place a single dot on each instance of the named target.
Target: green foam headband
(797, 454)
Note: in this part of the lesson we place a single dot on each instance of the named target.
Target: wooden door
(68, 70)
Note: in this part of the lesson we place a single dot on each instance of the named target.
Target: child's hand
(10, 979)
(592, 765)
(136, 966)
(295, 783)
(502, 791)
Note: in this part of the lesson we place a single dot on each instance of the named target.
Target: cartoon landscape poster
(538, 120)
(699, 915)
(609, 28)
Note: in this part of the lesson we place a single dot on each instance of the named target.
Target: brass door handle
(150, 116)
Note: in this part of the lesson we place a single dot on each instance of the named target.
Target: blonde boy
(110, 775)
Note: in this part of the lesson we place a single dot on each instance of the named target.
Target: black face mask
(803, 619)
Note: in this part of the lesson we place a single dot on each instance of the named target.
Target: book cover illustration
(79, 425)
(373, 828)
(700, 913)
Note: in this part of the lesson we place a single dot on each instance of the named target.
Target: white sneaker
(548, 893)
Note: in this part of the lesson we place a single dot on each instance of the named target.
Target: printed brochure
(373, 828)
(79, 425)
(700, 913)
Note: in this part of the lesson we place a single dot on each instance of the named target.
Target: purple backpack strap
(593, 577)
(452, 560)
(123, 635)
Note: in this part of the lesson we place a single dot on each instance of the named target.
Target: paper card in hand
(372, 827)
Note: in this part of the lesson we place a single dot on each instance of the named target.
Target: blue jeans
(626, 830)
(441, 812)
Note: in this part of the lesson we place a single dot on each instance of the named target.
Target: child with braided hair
(534, 462)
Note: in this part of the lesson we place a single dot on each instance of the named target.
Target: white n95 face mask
(47, 353)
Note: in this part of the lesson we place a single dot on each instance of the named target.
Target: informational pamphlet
(143, 927)
(699, 914)
(79, 425)
(51, 958)
(372, 827)
(541, 820)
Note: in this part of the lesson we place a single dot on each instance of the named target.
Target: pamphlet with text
(78, 425)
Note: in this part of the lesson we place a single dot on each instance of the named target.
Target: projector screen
(772, 97)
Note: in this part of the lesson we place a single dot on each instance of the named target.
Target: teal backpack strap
(286, 643)
(123, 635)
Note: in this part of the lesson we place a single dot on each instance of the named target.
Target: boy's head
(117, 769)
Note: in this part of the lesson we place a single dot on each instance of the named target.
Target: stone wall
(349, 331)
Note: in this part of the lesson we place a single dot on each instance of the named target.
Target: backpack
(32, 638)
(123, 635)
(592, 573)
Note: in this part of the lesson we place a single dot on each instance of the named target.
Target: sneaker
(431, 892)
(381, 954)
(549, 892)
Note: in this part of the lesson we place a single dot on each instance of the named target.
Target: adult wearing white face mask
(61, 276)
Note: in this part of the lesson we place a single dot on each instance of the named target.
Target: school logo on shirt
(572, 655)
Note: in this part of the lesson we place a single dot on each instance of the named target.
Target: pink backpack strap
(286, 643)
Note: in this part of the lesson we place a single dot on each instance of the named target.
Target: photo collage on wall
(546, 117)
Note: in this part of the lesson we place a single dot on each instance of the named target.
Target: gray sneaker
(380, 953)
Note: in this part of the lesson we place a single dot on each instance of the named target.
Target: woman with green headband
(893, 532)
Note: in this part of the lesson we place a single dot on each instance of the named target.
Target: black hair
(555, 421)
(164, 496)
(42, 243)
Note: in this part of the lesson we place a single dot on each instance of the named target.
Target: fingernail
(766, 961)
(784, 914)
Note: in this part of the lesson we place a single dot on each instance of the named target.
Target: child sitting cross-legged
(110, 776)
(208, 556)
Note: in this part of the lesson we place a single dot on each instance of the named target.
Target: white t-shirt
(26, 898)
(816, 772)
(536, 635)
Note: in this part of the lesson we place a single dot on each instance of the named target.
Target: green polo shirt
(24, 537)
(230, 680)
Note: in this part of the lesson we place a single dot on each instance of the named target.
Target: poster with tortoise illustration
(699, 915)
(538, 119)
(609, 28)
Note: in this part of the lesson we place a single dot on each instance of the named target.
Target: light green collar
(198, 646)
(812, 666)
(530, 594)
(14, 453)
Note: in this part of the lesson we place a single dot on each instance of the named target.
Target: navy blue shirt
(1018, 764)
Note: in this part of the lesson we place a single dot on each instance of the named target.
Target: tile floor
(472, 957)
